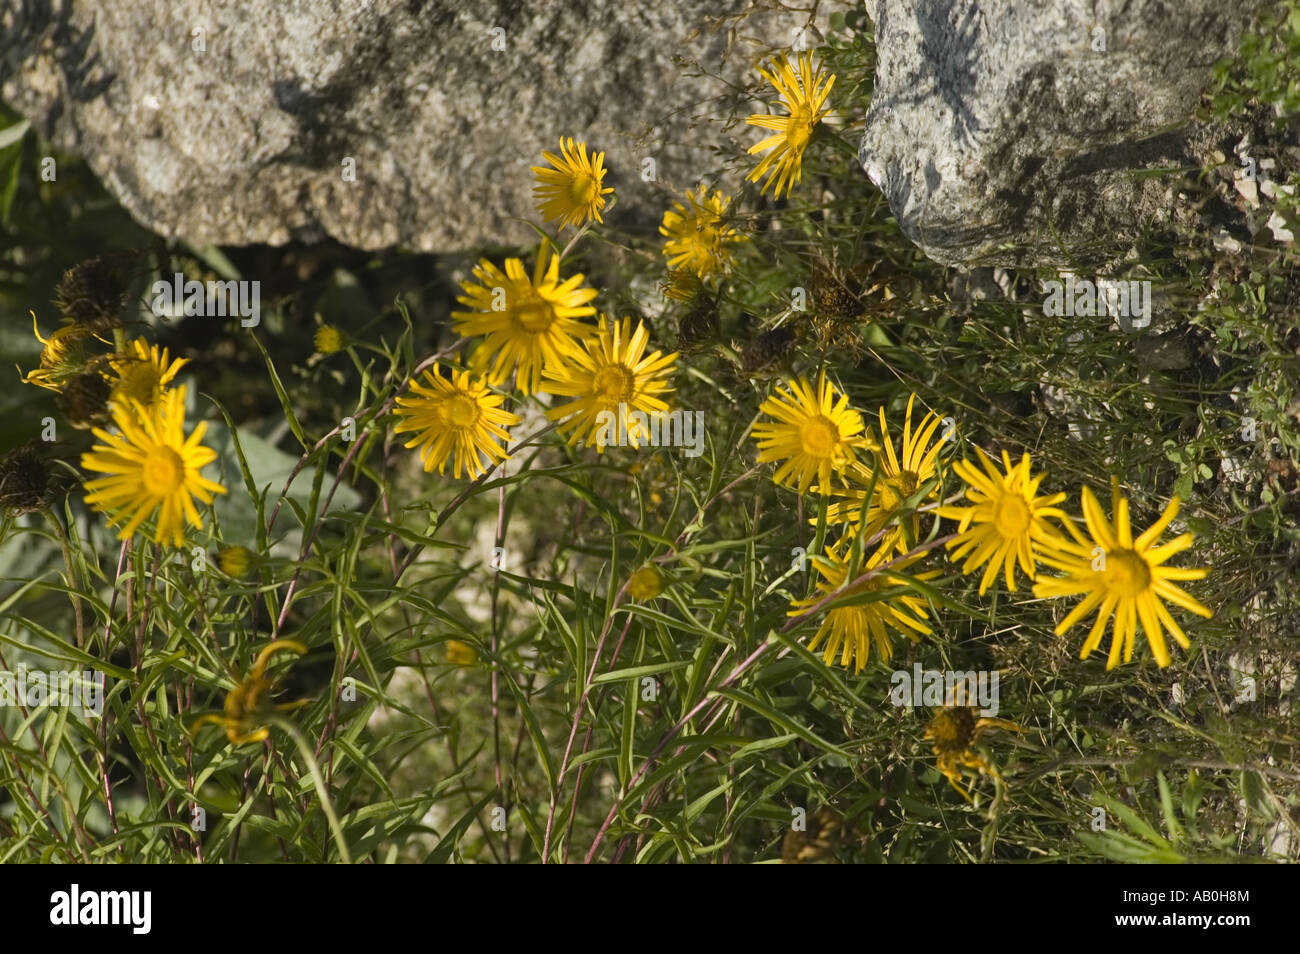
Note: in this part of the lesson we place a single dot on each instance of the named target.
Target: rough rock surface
(1001, 132)
(230, 122)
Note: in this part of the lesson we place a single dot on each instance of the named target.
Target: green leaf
(442, 851)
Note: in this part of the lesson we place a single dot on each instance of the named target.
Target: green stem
(326, 805)
(66, 547)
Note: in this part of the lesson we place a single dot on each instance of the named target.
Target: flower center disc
(1127, 574)
(613, 384)
(583, 189)
(819, 437)
(534, 315)
(953, 728)
(164, 472)
(462, 411)
(799, 129)
(1011, 518)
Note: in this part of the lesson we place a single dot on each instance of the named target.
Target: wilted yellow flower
(1122, 576)
(815, 844)
(954, 731)
(681, 284)
(61, 356)
(244, 703)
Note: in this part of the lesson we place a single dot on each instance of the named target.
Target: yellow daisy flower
(899, 477)
(571, 192)
(1009, 519)
(849, 631)
(697, 240)
(804, 96)
(530, 324)
(614, 370)
(815, 433)
(456, 415)
(955, 730)
(1124, 576)
(244, 702)
(152, 468)
(142, 373)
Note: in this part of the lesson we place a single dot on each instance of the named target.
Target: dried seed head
(767, 349)
(28, 481)
(699, 325)
(834, 296)
(94, 293)
(817, 844)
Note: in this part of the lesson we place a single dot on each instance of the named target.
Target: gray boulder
(1006, 132)
(242, 122)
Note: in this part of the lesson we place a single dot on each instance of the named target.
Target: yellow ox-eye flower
(815, 434)
(142, 373)
(530, 323)
(152, 468)
(849, 631)
(696, 237)
(1124, 576)
(899, 476)
(571, 192)
(1008, 521)
(457, 419)
(955, 730)
(610, 381)
(804, 96)
(244, 703)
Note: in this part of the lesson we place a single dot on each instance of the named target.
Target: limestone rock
(235, 122)
(1004, 132)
